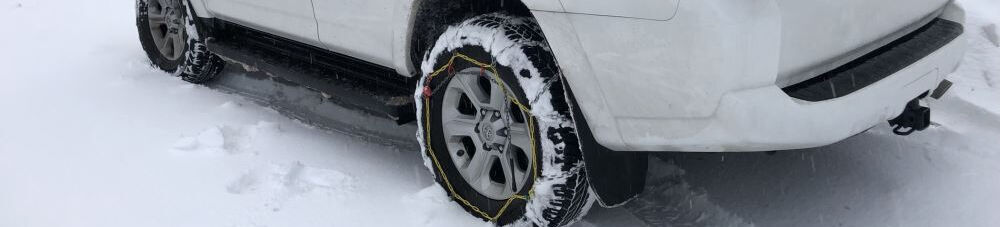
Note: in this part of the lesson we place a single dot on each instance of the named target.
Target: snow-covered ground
(90, 135)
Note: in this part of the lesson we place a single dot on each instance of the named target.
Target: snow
(90, 135)
(990, 31)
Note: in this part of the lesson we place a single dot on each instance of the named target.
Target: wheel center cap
(487, 132)
(490, 128)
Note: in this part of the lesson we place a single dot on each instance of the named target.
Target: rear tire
(515, 92)
(171, 40)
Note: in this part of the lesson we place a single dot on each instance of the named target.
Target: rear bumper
(766, 118)
(714, 89)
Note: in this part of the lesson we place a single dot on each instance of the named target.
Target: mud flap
(616, 177)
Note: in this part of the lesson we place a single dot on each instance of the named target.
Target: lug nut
(503, 132)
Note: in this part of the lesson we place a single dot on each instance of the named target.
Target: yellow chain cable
(437, 164)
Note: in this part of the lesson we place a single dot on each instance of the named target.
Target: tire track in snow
(669, 200)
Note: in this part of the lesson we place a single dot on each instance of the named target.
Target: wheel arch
(430, 18)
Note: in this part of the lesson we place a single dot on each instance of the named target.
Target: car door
(293, 19)
(361, 29)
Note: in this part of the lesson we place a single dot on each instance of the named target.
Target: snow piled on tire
(508, 52)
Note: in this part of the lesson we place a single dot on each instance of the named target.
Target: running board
(349, 82)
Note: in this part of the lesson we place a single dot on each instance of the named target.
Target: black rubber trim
(878, 64)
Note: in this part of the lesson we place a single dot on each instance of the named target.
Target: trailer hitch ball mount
(914, 118)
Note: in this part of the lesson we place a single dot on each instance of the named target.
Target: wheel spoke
(498, 99)
(478, 168)
(519, 136)
(470, 87)
(157, 18)
(508, 166)
(163, 4)
(178, 44)
(166, 45)
(460, 126)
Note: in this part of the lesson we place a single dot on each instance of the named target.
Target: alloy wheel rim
(486, 135)
(166, 25)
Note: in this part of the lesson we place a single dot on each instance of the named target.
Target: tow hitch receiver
(914, 118)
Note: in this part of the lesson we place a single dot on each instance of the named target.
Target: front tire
(496, 127)
(170, 38)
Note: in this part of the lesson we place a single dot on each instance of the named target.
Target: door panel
(293, 19)
(361, 29)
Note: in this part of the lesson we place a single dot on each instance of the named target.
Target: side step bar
(344, 80)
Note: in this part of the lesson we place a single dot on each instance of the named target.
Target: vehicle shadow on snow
(312, 107)
(851, 181)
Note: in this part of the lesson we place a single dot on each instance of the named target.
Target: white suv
(513, 97)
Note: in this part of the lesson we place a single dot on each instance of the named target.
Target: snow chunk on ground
(224, 140)
(210, 141)
(990, 31)
(279, 183)
(432, 203)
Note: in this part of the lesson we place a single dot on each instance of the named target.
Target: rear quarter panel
(626, 72)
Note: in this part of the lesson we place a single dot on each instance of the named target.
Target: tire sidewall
(559, 194)
(146, 40)
(197, 64)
